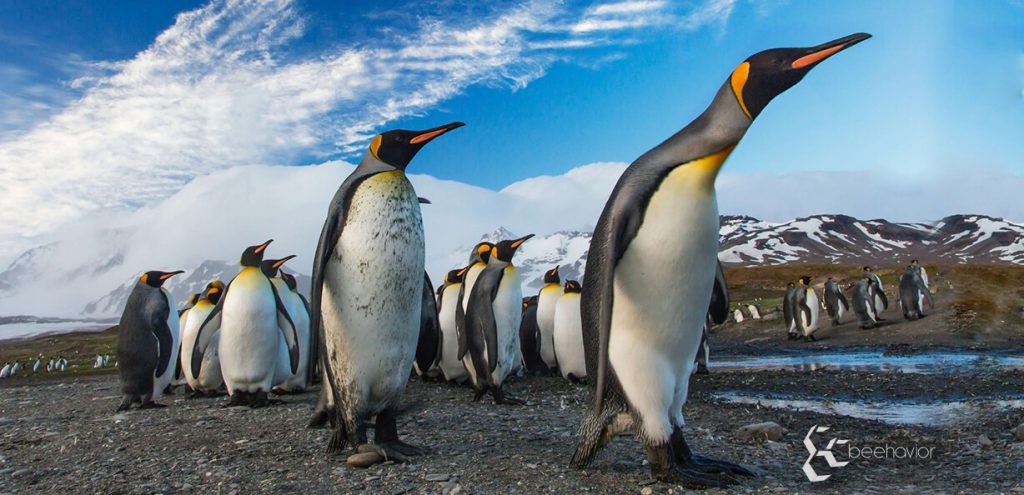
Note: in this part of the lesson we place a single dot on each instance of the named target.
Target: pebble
(364, 459)
(759, 432)
(1018, 433)
(437, 477)
(985, 442)
(9, 421)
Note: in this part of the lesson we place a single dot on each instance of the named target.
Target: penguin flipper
(885, 300)
(719, 308)
(427, 348)
(163, 336)
(460, 323)
(207, 330)
(287, 327)
(843, 301)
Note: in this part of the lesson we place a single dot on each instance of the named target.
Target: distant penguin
(835, 302)
(863, 302)
(192, 300)
(64, 362)
(15, 368)
(737, 315)
(287, 380)
(493, 315)
(807, 306)
(568, 334)
(6, 371)
(913, 292)
(146, 341)
(755, 313)
(251, 316)
(546, 301)
(39, 363)
(651, 267)
(452, 367)
(477, 262)
(99, 362)
(367, 294)
(210, 380)
(429, 343)
(310, 354)
(921, 271)
(50, 366)
(881, 302)
(789, 311)
(529, 338)
(718, 312)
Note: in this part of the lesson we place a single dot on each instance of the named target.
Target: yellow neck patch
(699, 175)
(375, 146)
(738, 80)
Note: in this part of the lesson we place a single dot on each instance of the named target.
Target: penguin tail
(594, 434)
(339, 440)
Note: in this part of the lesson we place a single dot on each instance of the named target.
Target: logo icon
(812, 475)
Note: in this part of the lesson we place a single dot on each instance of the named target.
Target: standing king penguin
(209, 380)
(651, 268)
(913, 293)
(477, 262)
(250, 315)
(835, 302)
(493, 315)
(789, 310)
(452, 367)
(568, 334)
(146, 338)
(529, 338)
(367, 294)
(807, 306)
(546, 302)
(287, 381)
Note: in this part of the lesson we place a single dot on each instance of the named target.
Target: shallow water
(927, 413)
(925, 363)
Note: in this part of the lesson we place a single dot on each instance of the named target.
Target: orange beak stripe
(427, 136)
(816, 57)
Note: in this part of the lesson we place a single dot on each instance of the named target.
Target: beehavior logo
(814, 451)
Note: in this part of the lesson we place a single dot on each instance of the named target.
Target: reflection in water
(933, 413)
(927, 363)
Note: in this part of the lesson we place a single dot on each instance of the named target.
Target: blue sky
(118, 104)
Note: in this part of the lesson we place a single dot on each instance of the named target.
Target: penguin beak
(259, 249)
(426, 136)
(424, 201)
(170, 274)
(462, 272)
(277, 264)
(516, 243)
(817, 54)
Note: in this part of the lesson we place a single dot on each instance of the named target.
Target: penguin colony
(632, 329)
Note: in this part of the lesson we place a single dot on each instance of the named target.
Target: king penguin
(718, 312)
(651, 268)
(493, 314)
(864, 302)
(300, 316)
(429, 344)
(807, 309)
(835, 302)
(209, 381)
(287, 381)
(452, 367)
(913, 293)
(250, 315)
(789, 311)
(546, 302)
(367, 294)
(529, 338)
(146, 338)
(477, 262)
(568, 334)
(880, 301)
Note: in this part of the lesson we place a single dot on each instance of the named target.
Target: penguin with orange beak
(367, 295)
(147, 340)
(651, 269)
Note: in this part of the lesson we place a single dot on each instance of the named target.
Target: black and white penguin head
(290, 281)
(530, 300)
(805, 280)
(867, 269)
(482, 252)
(157, 279)
(253, 255)
(551, 276)
(573, 287)
(398, 147)
(270, 267)
(503, 251)
(193, 299)
(213, 293)
(456, 276)
(791, 285)
(768, 74)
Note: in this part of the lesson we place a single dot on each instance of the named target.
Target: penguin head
(805, 280)
(791, 285)
(156, 279)
(270, 267)
(456, 276)
(572, 286)
(213, 293)
(768, 74)
(290, 281)
(505, 250)
(482, 252)
(253, 255)
(396, 148)
(551, 276)
(867, 269)
(193, 299)
(527, 301)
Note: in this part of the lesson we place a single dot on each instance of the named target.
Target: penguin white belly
(662, 289)
(568, 336)
(468, 282)
(754, 313)
(546, 303)
(249, 334)
(811, 321)
(283, 376)
(372, 295)
(194, 318)
(160, 382)
(738, 315)
(450, 364)
(508, 314)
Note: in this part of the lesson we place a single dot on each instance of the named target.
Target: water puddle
(940, 413)
(925, 363)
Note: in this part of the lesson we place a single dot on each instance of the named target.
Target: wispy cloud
(219, 88)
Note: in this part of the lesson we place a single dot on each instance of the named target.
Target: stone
(364, 459)
(759, 432)
(437, 477)
(1018, 433)
(985, 442)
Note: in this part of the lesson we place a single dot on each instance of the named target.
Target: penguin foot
(478, 394)
(125, 405)
(398, 450)
(260, 399)
(238, 398)
(151, 405)
(501, 398)
(686, 458)
(665, 468)
(810, 338)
